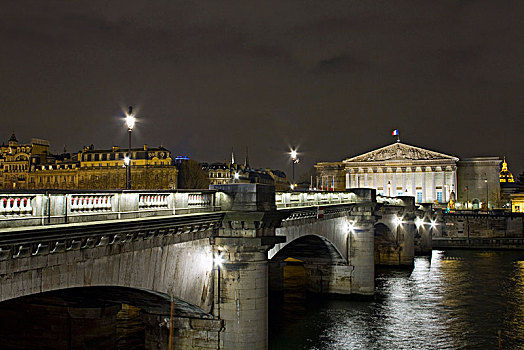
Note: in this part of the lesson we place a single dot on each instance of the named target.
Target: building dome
(505, 174)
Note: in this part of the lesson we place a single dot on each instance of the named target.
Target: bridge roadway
(140, 248)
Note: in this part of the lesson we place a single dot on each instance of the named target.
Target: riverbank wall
(480, 230)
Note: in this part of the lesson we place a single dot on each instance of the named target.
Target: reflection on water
(455, 300)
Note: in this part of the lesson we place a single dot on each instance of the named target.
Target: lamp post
(294, 160)
(218, 261)
(487, 195)
(350, 229)
(467, 197)
(130, 121)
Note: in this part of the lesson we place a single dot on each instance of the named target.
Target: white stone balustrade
(16, 205)
(59, 207)
(86, 203)
(153, 201)
(198, 200)
(305, 199)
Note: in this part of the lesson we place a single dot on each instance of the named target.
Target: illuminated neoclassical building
(395, 170)
(401, 169)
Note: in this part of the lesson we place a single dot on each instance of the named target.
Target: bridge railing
(42, 208)
(312, 198)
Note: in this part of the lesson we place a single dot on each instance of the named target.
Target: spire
(504, 165)
(246, 163)
(505, 175)
(232, 156)
(12, 140)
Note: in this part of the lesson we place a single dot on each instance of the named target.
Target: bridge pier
(360, 255)
(241, 283)
(407, 243)
(423, 240)
(188, 333)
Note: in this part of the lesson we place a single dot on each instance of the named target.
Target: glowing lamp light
(126, 161)
(293, 154)
(237, 176)
(292, 186)
(419, 222)
(350, 226)
(398, 221)
(218, 260)
(130, 121)
(433, 224)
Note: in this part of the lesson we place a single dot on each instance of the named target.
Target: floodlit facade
(396, 170)
(31, 166)
(400, 169)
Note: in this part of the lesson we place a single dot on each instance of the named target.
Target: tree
(307, 176)
(191, 176)
(520, 178)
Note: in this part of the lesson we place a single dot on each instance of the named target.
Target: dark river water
(453, 300)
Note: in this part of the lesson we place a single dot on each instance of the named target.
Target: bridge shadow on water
(88, 317)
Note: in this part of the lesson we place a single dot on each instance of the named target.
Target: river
(453, 300)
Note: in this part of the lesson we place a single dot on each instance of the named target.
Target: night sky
(332, 77)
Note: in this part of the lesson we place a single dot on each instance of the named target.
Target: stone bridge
(73, 259)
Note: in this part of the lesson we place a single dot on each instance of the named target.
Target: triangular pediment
(400, 151)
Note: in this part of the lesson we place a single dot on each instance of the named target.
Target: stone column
(394, 183)
(433, 184)
(403, 180)
(454, 181)
(365, 178)
(444, 189)
(424, 198)
(385, 182)
(414, 183)
(348, 180)
(375, 179)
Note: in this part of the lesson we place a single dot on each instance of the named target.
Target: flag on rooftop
(395, 132)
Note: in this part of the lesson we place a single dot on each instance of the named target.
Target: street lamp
(294, 159)
(350, 229)
(467, 197)
(398, 222)
(130, 121)
(218, 261)
(487, 195)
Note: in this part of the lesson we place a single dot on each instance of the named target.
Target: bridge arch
(320, 260)
(97, 317)
(183, 269)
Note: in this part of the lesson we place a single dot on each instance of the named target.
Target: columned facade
(398, 170)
